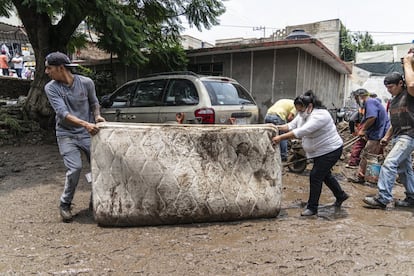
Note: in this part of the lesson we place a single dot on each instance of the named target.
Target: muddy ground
(350, 241)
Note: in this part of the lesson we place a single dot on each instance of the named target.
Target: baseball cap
(393, 78)
(361, 92)
(58, 58)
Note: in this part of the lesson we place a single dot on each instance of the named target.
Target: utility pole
(259, 29)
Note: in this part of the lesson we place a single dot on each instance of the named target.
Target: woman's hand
(276, 139)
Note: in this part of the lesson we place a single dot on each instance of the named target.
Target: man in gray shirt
(73, 97)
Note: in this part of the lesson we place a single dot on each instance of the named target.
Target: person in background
(280, 113)
(4, 63)
(73, 97)
(398, 160)
(354, 126)
(375, 124)
(375, 96)
(18, 64)
(321, 142)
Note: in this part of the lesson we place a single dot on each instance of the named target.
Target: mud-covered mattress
(153, 174)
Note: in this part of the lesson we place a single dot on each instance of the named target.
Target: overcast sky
(389, 22)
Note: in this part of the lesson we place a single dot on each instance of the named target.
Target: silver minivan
(202, 99)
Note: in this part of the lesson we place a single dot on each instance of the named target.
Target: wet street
(352, 240)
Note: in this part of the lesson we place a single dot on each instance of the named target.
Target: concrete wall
(274, 74)
(314, 74)
(327, 32)
(12, 88)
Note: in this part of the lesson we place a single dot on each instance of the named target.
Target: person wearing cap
(321, 142)
(398, 161)
(374, 125)
(280, 113)
(73, 97)
(4, 63)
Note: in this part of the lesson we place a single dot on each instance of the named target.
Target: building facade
(277, 69)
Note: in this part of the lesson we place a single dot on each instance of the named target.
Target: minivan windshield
(227, 93)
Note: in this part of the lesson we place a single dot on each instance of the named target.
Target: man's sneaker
(356, 179)
(373, 203)
(339, 201)
(351, 166)
(65, 212)
(406, 202)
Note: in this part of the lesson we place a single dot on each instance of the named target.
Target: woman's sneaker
(339, 201)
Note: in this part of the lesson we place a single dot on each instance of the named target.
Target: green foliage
(138, 30)
(351, 43)
(11, 123)
(104, 80)
(134, 31)
(5, 8)
(104, 83)
(77, 41)
(172, 58)
(85, 71)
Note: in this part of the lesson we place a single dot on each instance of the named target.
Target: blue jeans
(70, 148)
(276, 120)
(398, 161)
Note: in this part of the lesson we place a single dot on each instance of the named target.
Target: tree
(133, 30)
(351, 43)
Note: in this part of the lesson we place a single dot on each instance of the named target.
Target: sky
(387, 23)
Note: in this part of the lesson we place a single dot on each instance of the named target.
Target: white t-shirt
(18, 62)
(318, 133)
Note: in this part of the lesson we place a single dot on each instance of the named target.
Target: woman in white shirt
(321, 142)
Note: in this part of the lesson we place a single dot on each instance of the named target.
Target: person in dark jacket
(398, 161)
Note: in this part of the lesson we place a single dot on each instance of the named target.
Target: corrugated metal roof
(310, 45)
(12, 34)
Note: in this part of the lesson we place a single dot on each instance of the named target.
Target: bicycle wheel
(297, 163)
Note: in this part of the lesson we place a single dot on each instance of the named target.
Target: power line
(275, 28)
(378, 32)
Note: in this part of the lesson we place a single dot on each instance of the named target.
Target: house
(276, 67)
(270, 68)
(190, 42)
(370, 69)
(13, 37)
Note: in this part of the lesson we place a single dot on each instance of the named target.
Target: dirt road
(351, 241)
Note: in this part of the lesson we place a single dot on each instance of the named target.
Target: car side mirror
(106, 101)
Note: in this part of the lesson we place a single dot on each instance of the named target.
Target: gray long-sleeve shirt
(78, 100)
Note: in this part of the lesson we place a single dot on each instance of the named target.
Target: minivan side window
(181, 92)
(122, 97)
(149, 93)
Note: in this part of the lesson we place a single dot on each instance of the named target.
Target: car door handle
(117, 115)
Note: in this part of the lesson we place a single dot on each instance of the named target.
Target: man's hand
(384, 141)
(179, 117)
(92, 128)
(99, 119)
(362, 134)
